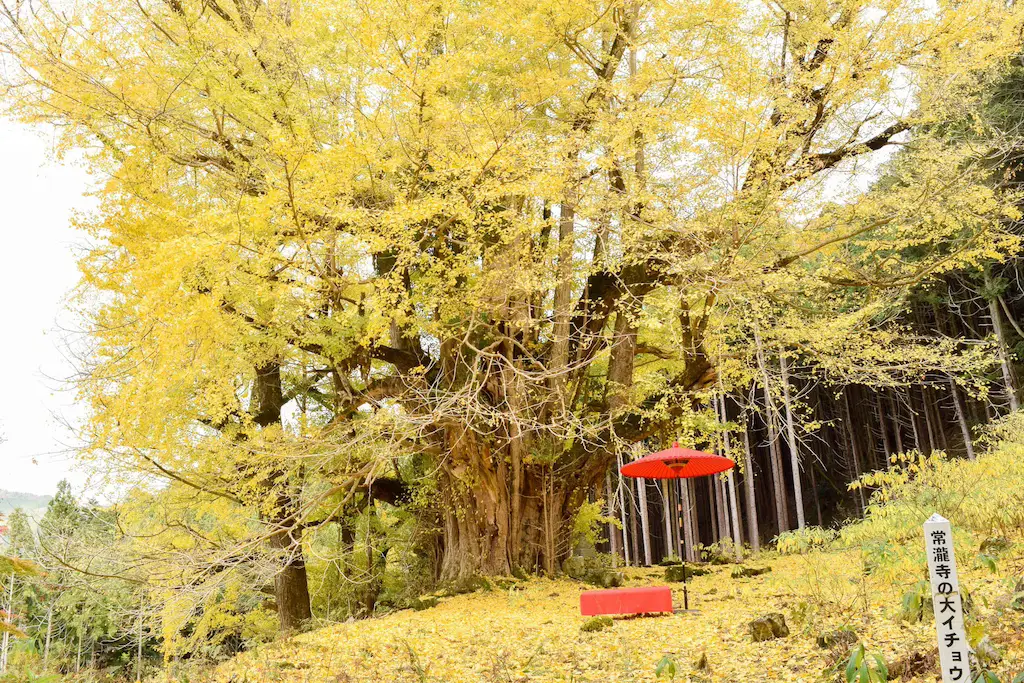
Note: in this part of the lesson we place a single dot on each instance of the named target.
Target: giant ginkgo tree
(496, 237)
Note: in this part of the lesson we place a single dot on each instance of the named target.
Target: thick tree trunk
(476, 531)
(291, 585)
(477, 499)
(498, 511)
(476, 535)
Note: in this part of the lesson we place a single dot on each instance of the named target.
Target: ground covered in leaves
(531, 631)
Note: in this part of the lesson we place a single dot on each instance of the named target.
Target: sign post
(954, 651)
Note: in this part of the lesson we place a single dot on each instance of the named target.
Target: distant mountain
(29, 502)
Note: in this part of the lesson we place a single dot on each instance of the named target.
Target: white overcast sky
(38, 197)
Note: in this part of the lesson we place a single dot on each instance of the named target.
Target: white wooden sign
(954, 651)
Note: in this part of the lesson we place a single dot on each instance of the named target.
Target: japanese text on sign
(954, 651)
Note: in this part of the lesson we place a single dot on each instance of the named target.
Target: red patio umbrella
(678, 463)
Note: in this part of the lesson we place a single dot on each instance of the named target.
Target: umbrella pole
(682, 553)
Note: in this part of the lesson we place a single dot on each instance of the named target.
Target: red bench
(626, 601)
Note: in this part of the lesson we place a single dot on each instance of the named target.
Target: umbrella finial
(675, 444)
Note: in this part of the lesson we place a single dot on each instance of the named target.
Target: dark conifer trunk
(291, 585)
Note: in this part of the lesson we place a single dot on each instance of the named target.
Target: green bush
(866, 668)
(586, 526)
(596, 624)
(916, 604)
(595, 570)
(804, 540)
(981, 497)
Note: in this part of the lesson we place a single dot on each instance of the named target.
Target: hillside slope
(530, 633)
(31, 503)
